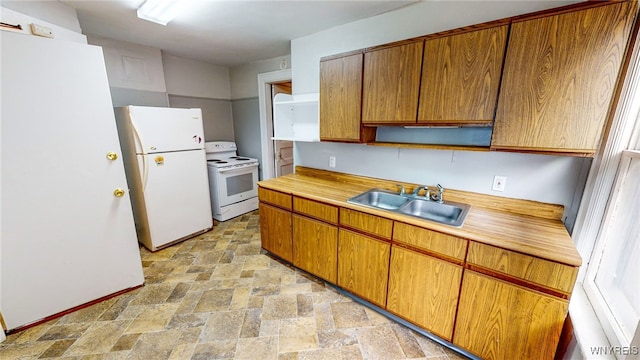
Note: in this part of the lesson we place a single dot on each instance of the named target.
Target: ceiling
(225, 32)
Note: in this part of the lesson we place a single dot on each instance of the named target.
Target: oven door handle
(226, 171)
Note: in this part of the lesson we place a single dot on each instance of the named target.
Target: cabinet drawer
(316, 210)
(369, 224)
(428, 240)
(275, 197)
(538, 271)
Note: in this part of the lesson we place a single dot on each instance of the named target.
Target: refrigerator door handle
(145, 165)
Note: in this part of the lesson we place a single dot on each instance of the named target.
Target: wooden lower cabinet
(315, 247)
(424, 290)
(363, 266)
(275, 231)
(499, 320)
(419, 276)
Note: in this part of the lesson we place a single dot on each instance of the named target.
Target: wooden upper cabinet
(461, 77)
(559, 78)
(391, 84)
(341, 100)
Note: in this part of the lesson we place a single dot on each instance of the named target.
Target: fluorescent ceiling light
(158, 11)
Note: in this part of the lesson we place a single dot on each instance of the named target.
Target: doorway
(283, 149)
(265, 100)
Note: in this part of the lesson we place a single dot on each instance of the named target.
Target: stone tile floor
(218, 296)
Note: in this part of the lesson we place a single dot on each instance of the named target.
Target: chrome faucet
(402, 191)
(427, 192)
(438, 197)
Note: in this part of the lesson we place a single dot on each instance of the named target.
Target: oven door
(237, 184)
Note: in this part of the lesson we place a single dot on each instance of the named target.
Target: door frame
(266, 122)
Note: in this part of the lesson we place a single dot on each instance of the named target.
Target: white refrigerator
(67, 233)
(166, 170)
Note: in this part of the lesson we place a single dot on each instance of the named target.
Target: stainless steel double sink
(447, 212)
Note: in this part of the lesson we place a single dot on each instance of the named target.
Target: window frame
(607, 319)
(595, 328)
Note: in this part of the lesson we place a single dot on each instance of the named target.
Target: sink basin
(381, 199)
(448, 213)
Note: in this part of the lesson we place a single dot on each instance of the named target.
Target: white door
(176, 195)
(159, 129)
(284, 157)
(66, 239)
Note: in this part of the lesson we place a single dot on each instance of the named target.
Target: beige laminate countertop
(543, 238)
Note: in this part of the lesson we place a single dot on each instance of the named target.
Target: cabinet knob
(118, 192)
(112, 156)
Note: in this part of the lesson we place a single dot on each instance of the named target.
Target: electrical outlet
(499, 182)
(332, 161)
(40, 30)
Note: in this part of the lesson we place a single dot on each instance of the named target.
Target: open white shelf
(296, 117)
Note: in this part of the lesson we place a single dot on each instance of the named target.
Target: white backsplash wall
(545, 178)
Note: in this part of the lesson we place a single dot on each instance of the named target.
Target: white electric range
(232, 180)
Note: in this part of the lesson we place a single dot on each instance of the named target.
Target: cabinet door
(559, 78)
(424, 290)
(391, 84)
(315, 247)
(341, 100)
(498, 320)
(461, 77)
(363, 266)
(275, 231)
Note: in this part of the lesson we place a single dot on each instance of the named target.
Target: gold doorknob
(112, 156)
(118, 192)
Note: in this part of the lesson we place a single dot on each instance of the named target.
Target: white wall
(195, 78)
(244, 78)
(10, 16)
(543, 178)
(53, 12)
(131, 66)
(552, 179)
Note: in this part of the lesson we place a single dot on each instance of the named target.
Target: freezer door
(176, 196)
(158, 129)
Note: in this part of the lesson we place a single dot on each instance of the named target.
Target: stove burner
(221, 162)
(214, 160)
(242, 159)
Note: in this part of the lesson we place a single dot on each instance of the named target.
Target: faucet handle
(416, 191)
(402, 191)
(440, 193)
